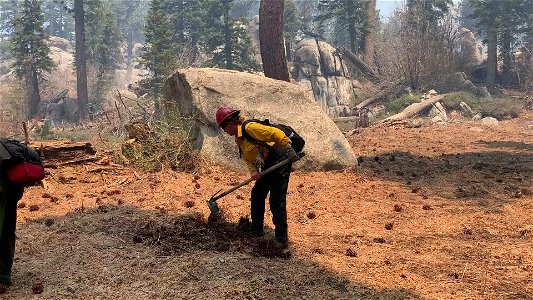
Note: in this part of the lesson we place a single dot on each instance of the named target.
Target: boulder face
(335, 83)
(193, 96)
(459, 82)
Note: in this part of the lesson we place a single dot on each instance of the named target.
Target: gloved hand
(255, 175)
(290, 154)
(259, 162)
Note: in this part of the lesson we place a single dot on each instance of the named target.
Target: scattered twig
(105, 114)
(26, 135)
(123, 104)
(124, 180)
(119, 115)
(211, 89)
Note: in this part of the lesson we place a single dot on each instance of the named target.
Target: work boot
(281, 242)
(256, 232)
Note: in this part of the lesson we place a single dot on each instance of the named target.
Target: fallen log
(56, 151)
(73, 162)
(360, 64)
(413, 109)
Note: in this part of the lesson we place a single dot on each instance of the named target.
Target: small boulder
(468, 86)
(437, 110)
(489, 121)
(437, 120)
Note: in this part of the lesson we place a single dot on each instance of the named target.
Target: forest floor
(437, 212)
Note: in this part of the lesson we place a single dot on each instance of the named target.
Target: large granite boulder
(193, 95)
(336, 84)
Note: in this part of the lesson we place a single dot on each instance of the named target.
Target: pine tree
(502, 23)
(242, 8)
(30, 51)
(159, 52)
(428, 11)
(188, 20)
(59, 21)
(8, 9)
(310, 24)
(350, 16)
(130, 16)
(103, 47)
(291, 26)
(227, 39)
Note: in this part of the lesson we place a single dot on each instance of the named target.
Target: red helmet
(223, 113)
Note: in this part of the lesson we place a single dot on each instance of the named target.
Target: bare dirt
(439, 212)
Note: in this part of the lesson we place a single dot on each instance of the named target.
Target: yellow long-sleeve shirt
(268, 134)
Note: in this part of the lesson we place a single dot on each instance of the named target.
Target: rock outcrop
(337, 85)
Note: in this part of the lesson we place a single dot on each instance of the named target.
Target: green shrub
(499, 108)
(452, 100)
(380, 115)
(164, 147)
(396, 105)
(44, 130)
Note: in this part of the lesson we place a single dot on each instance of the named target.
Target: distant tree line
(416, 45)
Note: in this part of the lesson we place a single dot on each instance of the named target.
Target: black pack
(19, 153)
(297, 141)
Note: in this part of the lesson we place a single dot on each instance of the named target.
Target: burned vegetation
(193, 231)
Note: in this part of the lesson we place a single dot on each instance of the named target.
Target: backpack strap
(247, 136)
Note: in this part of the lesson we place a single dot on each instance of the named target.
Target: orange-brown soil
(438, 212)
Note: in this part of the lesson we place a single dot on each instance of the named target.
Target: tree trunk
(81, 60)
(507, 76)
(368, 73)
(492, 58)
(36, 95)
(370, 39)
(352, 30)
(32, 88)
(271, 39)
(228, 43)
(385, 91)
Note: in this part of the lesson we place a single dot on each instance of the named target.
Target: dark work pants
(9, 195)
(277, 184)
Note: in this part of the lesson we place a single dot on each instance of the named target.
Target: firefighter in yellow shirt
(270, 146)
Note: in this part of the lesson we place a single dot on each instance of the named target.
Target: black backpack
(297, 141)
